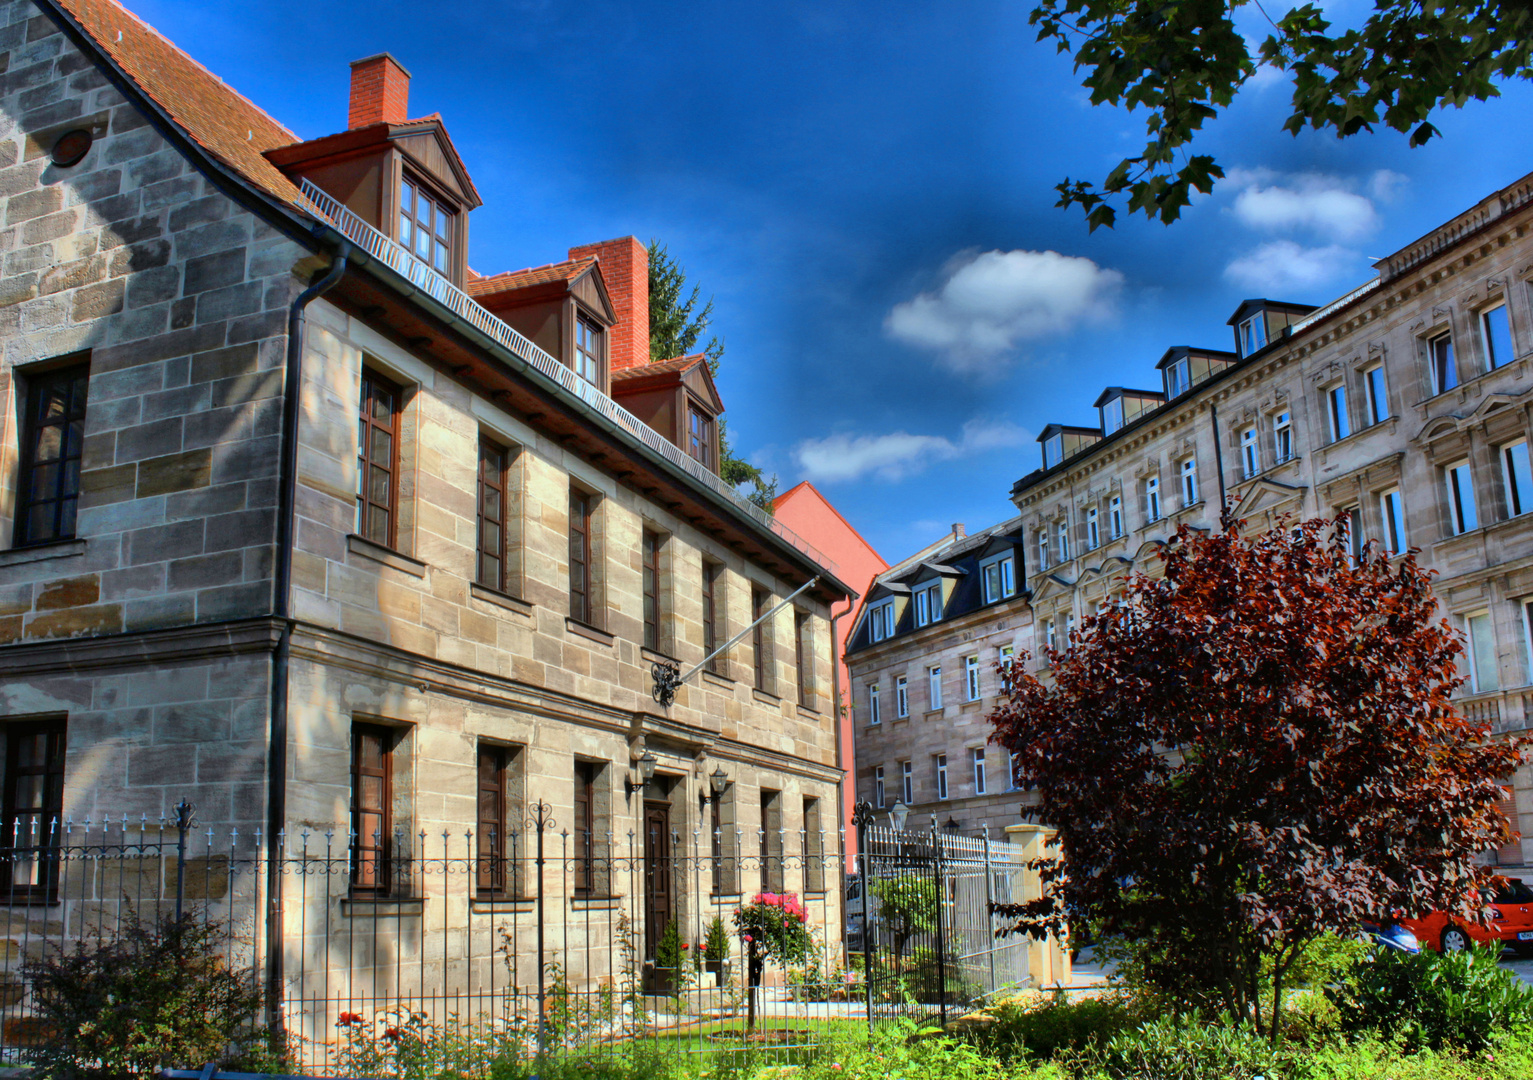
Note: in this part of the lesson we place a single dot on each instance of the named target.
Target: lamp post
(898, 813)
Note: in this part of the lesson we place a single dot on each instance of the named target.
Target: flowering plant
(778, 926)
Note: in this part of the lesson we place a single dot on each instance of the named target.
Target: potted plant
(716, 952)
(669, 975)
(773, 926)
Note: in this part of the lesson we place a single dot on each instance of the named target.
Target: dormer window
(1253, 334)
(1053, 451)
(1176, 378)
(425, 227)
(700, 436)
(588, 350)
(1112, 416)
(998, 577)
(881, 621)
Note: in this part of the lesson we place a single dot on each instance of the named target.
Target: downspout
(1213, 411)
(835, 709)
(282, 576)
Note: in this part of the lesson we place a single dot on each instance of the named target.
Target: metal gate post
(541, 819)
(862, 817)
(984, 832)
(941, 938)
(184, 812)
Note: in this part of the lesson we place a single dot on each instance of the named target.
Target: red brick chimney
(625, 269)
(380, 92)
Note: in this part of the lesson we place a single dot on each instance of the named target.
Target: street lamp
(897, 815)
(647, 766)
(718, 781)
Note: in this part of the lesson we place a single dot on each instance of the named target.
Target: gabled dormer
(1183, 367)
(1118, 406)
(1061, 441)
(563, 308)
(1258, 323)
(678, 399)
(402, 176)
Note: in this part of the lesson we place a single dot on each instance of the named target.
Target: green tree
(676, 326)
(908, 907)
(1184, 60)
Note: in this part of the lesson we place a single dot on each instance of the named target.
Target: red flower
(349, 1018)
(391, 1033)
(684, 945)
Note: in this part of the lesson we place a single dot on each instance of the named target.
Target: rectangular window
(1378, 394)
(928, 604)
(1353, 524)
(1063, 535)
(1518, 478)
(1176, 379)
(1011, 771)
(372, 813)
(1049, 640)
(52, 440)
(588, 351)
(1152, 499)
(583, 835)
(1497, 331)
(971, 677)
(1112, 416)
(941, 763)
(1461, 518)
(1282, 437)
(978, 756)
(803, 657)
(772, 874)
(1392, 510)
(581, 583)
(875, 711)
(712, 579)
(700, 436)
(716, 841)
(1484, 675)
(1189, 482)
(1250, 459)
(901, 697)
(1115, 516)
(1093, 529)
(1336, 412)
(1253, 334)
(650, 557)
(998, 577)
(878, 786)
(1440, 357)
(881, 621)
(493, 470)
(761, 638)
(1053, 450)
(907, 783)
(814, 848)
(1006, 654)
(934, 687)
(378, 459)
(34, 809)
(499, 815)
(1043, 549)
(425, 228)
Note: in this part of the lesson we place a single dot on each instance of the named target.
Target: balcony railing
(428, 281)
(1340, 302)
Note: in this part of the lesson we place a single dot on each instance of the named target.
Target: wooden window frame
(699, 436)
(712, 576)
(13, 845)
(413, 193)
(582, 600)
(716, 843)
(584, 355)
(377, 853)
(493, 872)
(498, 481)
(814, 846)
(587, 776)
(650, 544)
(372, 383)
(802, 656)
(71, 450)
(761, 639)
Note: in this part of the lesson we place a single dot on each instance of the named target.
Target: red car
(1511, 923)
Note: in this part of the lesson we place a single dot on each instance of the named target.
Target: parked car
(1511, 921)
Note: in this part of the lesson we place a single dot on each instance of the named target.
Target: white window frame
(1354, 527)
(1063, 535)
(1011, 771)
(1152, 499)
(1053, 447)
(1527, 639)
(971, 678)
(928, 602)
(934, 687)
(1336, 411)
(1004, 565)
(977, 756)
(907, 782)
(1392, 511)
(941, 763)
(1479, 681)
(1253, 334)
(881, 621)
(878, 786)
(1516, 459)
(1177, 381)
(1093, 529)
(1492, 362)
(1112, 416)
(1250, 454)
(1043, 549)
(1444, 378)
(1049, 633)
(1282, 437)
(875, 713)
(1115, 517)
(1377, 387)
(1459, 479)
(1189, 482)
(1005, 655)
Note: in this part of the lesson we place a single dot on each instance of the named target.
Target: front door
(658, 901)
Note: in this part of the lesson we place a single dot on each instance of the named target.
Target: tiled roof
(511, 280)
(676, 365)
(219, 118)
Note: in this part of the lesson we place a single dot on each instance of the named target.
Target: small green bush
(1435, 1000)
(1186, 1048)
(1038, 1029)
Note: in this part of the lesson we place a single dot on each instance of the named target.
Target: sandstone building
(309, 523)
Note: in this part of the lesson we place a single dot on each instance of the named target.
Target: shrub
(1186, 1048)
(1039, 1028)
(1434, 999)
(152, 994)
(778, 925)
(717, 946)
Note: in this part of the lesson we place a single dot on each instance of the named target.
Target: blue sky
(866, 189)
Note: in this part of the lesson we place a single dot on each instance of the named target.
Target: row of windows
(1115, 524)
(972, 687)
(997, 581)
(1482, 654)
(904, 776)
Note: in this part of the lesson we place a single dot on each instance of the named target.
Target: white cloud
(899, 454)
(990, 302)
(1283, 266)
(1325, 205)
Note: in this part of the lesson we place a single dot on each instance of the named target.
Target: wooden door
(659, 903)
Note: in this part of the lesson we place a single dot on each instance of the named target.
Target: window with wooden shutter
(650, 557)
(761, 640)
(583, 834)
(493, 466)
(494, 854)
(580, 556)
(713, 576)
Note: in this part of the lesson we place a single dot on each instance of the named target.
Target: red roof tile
(677, 364)
(511, 280)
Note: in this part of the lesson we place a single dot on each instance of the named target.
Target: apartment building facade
(315, 527)
(1404, 405)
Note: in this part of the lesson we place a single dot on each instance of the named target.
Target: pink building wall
(808, 513)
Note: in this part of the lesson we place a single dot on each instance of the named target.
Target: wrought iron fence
(483, 949)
